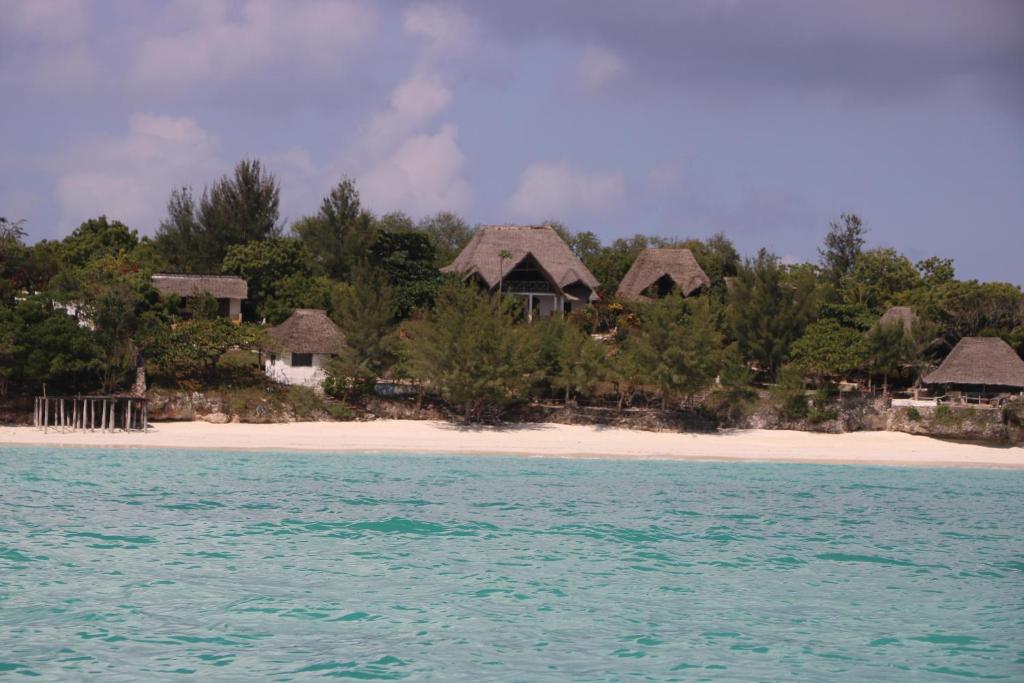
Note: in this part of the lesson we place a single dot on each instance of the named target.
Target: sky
(764, 120)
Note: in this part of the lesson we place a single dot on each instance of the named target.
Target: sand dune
(551, 440)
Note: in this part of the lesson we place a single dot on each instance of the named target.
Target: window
(302, 360)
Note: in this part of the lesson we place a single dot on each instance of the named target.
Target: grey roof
(653, 264)
(482, 256)
(901, 314)
(980, 361)
(309, 330)
(218, 286)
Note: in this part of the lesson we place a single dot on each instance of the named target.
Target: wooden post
(113, 415)
(128, 421)
(103, 416)
(74, 414)
(46, 414)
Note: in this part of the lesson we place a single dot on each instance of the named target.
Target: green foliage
(42, 345)
(877, 279)
(913, 414)
(407, 262)
(340, 234)
(469, 351)
(448, 233)
(936, 271)
(769, 310)
(366, 313)
(98, 237)
(827, 349)
(676, 347)
(572, 360)
(236, 209)
(193, 348)
(843, 245)
(790, 394)
(279, 273)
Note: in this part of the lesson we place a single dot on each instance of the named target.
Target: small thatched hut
(656, 272)
(983, 365)
(228, 290)
(308, 340)
(903, 315)
(530, 261)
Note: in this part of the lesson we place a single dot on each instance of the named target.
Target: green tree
(98, 237)
(276, 270)
(843, 245)
(341, 233)
(448, 233)
(827, 350)
(676, 347)
(406, 260)
(581, 361)
(52, 348)
(877, 279)
(769, 308)
(193, 348)
(237, 209)
(469, 350)
(367, 313)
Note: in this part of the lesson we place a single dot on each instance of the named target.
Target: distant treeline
(80, 313)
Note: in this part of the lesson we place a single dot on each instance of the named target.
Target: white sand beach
(544, 440)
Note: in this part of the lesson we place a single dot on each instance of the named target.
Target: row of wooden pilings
(106, 413)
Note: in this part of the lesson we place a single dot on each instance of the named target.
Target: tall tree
(270, 268)
(340, 234)
(98, 237)
(366, 311)
(448, 233)
(470, 351)
(237, 209)
(843, 245)
(769, 310)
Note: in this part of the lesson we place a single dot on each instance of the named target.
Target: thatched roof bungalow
(530, 261)
(982, 364)
(228, 290)
(656, 272)
(307, 341)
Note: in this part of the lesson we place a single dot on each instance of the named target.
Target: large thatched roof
(653, 264)
(309, 330)
(980, 361)
(218, 286)
(482, 256)
(901, 314)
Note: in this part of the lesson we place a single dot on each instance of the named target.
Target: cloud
(873, 50)
(599, 67)
(423, 175)
(54, 20)
(130, 177)
(557, 189)
(261, 39)
(414, 103)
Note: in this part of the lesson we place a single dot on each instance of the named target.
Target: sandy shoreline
(546, 440)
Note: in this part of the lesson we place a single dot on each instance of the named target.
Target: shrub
(913, 414)
(817, 414)
(340, 411)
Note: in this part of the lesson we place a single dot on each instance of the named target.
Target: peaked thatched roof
(653, 264)
(482, 256)
(901, 314)
(218, 286)
(309, 330)
(980, 361)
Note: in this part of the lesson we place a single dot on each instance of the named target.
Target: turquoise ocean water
(149, 564)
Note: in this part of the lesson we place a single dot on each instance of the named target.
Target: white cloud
(557, 189)
(414, 104)
(58, 20)
(423, 175)
(130, 177)
(219, 43)
(598, 67)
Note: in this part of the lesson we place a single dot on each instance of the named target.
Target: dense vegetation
(79, 314)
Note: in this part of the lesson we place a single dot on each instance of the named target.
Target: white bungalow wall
(281, 370)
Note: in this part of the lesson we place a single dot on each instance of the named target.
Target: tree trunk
(139, 388)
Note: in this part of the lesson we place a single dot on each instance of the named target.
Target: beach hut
(307, 341)
(656, 272)
(531, 262)
(228, 290)
(981, 366)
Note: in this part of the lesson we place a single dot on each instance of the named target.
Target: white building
(307, 341)
(228, 290)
